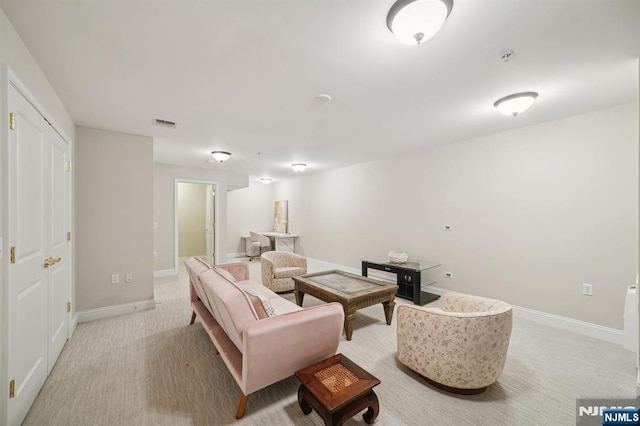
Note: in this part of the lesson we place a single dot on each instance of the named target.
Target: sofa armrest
(239, 270)
(275, 348)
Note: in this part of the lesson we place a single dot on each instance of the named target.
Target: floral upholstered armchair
(461, 347)
(278, 267)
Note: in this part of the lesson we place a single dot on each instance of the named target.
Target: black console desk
(408, 277)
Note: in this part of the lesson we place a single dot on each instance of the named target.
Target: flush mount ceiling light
(265, 180)
(416, 21)
(516, 103)
(298, 167)
(323, 98)
(221, 156)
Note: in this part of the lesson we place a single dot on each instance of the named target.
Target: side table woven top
(336, 381)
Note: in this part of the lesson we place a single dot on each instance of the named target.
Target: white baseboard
(164, 273)
(234, 255)
(113, 311)
(73, 325)
(581, 327)
(611, 335)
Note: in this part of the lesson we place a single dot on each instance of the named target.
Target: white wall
(14, 54)
(114, 218)
(164, 178)
(250, 209)
(535, 212)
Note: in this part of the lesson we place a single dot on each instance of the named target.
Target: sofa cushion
(260, 302)
(232, 307)
(288, 272)
(279, 304)
(283, 306)
(226, 274)
(195, 267)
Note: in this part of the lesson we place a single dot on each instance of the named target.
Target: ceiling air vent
(164, 123)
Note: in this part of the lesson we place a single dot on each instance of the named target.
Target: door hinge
(12, 121)
(12, 389)
(13, 255)
(68, 306)
(68, 166)
(69, 236)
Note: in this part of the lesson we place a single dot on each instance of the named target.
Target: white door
(58, 273)
(28, 198)
(38, 222)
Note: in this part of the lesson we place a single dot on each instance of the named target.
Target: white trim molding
(596, 331)
(611, 335)
(73, 325)
(236, 255)
(164, 273)
(115, 310)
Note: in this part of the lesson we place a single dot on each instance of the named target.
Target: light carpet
(153, 368)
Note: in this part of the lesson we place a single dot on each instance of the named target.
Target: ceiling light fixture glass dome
(298, 167)
(265, 180)
(516, 103)
(221, 156)
(416, 21)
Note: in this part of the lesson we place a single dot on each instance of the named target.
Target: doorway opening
(195, 220)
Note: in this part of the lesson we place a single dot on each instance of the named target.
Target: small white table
(279, 241)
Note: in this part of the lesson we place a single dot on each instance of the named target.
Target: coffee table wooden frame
(337, 406)
(384, 293)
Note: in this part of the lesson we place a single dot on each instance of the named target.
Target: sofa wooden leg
(242, 405)
(193, 317)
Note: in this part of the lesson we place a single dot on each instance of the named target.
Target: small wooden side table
(338, 389)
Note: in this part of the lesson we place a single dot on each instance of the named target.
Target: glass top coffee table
(352, 291)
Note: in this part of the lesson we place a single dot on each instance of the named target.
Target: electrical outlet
(155, 253)
(448, 274)
(447, 228)
(115, 279)
(128, 278)
(587, 289)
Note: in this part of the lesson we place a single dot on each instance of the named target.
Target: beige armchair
(278, 267)
(461, 348)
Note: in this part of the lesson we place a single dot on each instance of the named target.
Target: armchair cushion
(288, 271)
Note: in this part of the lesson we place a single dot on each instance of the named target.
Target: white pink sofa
(261, 337)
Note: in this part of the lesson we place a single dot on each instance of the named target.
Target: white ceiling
(242, 75)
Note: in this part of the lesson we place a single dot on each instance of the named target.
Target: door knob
(51, 261)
